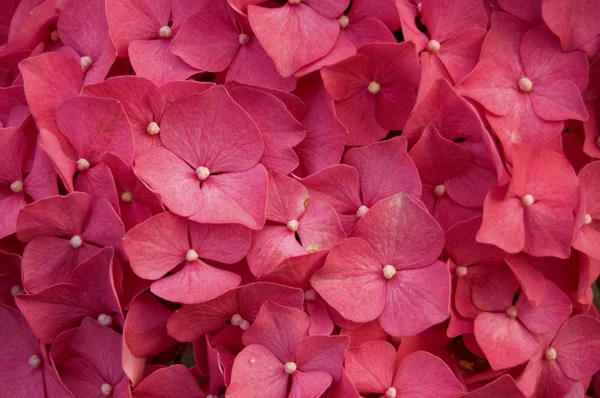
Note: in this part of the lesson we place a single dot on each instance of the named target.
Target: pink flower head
(373, 369)
(207, 169)
(218, 39)
(83, 29)
(527, 85)
(26, 370)
(50, 79)
(161, 383)
(367, 22)
(389, 269)
(62, 232)
(238, 306)
(292, 214)
(574, 23)
(505, 327)
(353, 188)
(280, 130)
(26, 173)
(374, 91)
(89, 292)
(588, 235)
(563, 358)
(167, 242)
(145, 32)
(89, 128)
(88, 360)
(145, 329)
(144, 103)
(455, 33)
(297, 33)
(278, 346)
(535, 212)
(325, 135)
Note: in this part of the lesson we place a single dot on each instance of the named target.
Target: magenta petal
(577, 346)
(293, 35)
(416, 299)
(257, 373)
(80, 377)
(352, 281)
(99, 183)
(421, 374)
(494, 289)
(309, 384)
(172, 382)
(503, 339)
(322, 353)
(320, 321)
(532, 281)
(417, 239)
(465, 250)
(319, 227)
(157, 245)
(279, 329)
(154, 60)
(503, 387)
(226, 243)
(549, 315)
(286, 199)
(270, 247)
(145, 328)
(502, 223)
(573, 23)
(371, 366)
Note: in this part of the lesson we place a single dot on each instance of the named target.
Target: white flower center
(374, 87)
(126, 197)
(293, 225)
(54, 36)
(527, 200)
(17, 186)
(191, 255)
(461, 271)
(389, 271)
(362, 210)
(433, 46)
(83, 164)
(420, 7)
(587, 219)
(202, 173)
(76, 241)
(343, 21)
(153, 128)
(106, 389)
(550, 354)
(104, 319)
(512, 312)
(294, 1)
(290, 367)
(86, 62)
(244, 39)
(35, 361)
(390, 393)
(165, 32)
(16, 290)
(310, 295)
(525, 84)
(439, 190)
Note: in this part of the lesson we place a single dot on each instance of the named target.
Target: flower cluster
(299, 198)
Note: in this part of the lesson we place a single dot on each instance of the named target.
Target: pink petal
(504, 340)
(459, 54)
(279, 329)
(319, 227)
(284, 34)
(550, 314)
(445, 21)
(494, 289)
(503, 387)
(558, 100)
(226, 243)
(322, 353)
(421, 374)
(172, 382)
(286, 198)
(157, 245)
(99, 183)
(532, 281)
(154, 60)
(416, 299)
(297, 271)
(270, 247)
(280, 130)
(211, 130)
(320, 321)
(196, 282)
(417, 239)
(371, 366)
(381, 161)
(352, 281)
(574, 23)
(81, 378)
(46, 90)
(577, 346)
(370, 331)
(465, 250)
(502, 223)
(145, 328)
(309, 384)
(257, 373)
